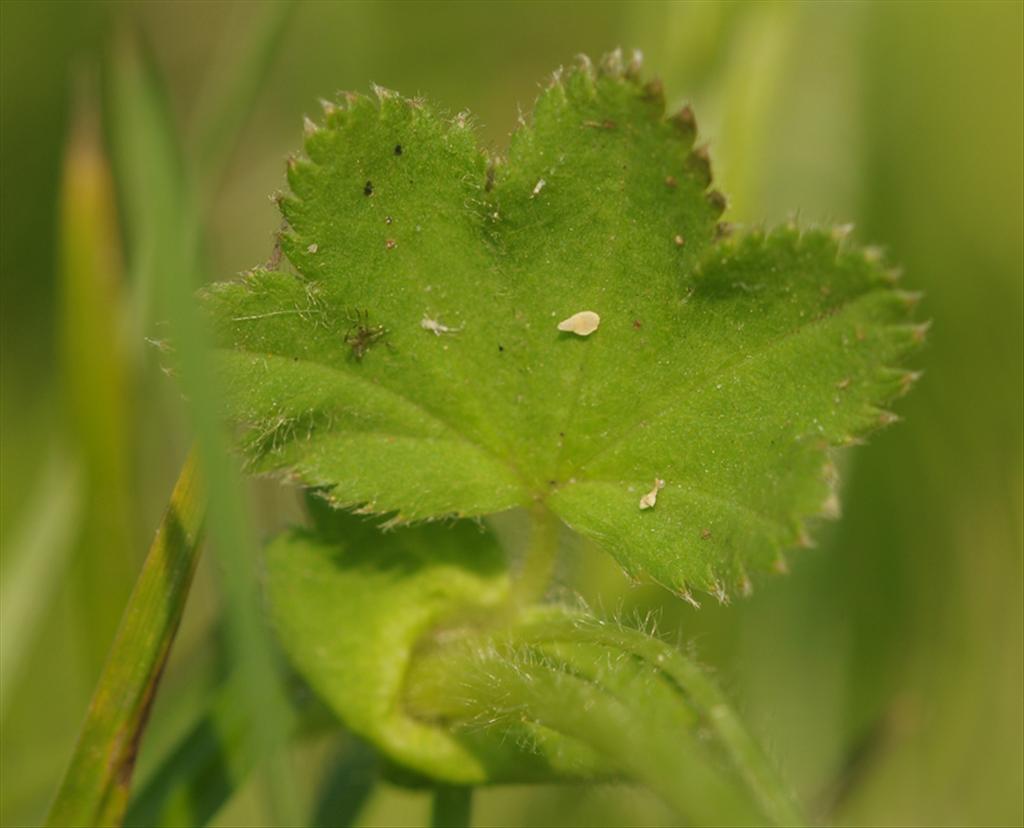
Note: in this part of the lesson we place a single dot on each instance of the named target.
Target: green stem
(647, 729)
(451, 807)
(703, 694)
(96, 786)
(538, 564)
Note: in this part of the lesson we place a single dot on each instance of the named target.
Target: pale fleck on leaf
(729, 365)
(583, 323)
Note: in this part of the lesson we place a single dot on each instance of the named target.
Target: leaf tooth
(919, 332)
(745, 585)
(330, 110)
(873, 254)
(631, 577)
(829, 472)
(698, 162)
(654, 91)
(584, 65)
(908, 380)
(892, 275)
(804, 539)
(831, 508)
(887, 418)
(309, 126)
(841, 232)
(462, 120)
(717, 201)
(382, 93)
(910, 298)
(612, 63)
(687, 596)
(780, 565)
(396, 521)
(301, 173)
(718, 590)
(685, 123)
(635, 65)
(849, 440)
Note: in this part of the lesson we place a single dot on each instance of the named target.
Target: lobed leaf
(413, 365)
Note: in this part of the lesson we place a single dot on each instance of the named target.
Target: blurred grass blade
(347, 786)
(233, 86)
(154, 198)
(96, 381)
(169, 239)
(95, 788)
(762, 45)
(201, 773)
(39, 548)
(215, 758)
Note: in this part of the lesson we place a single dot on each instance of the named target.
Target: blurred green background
(885, 673)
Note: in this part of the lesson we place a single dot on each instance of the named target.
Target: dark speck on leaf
(501, 347)
(368, 189)
(398, 149)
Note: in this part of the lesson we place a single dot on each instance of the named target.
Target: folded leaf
(408, 636)
(352, 611)
(435, 351)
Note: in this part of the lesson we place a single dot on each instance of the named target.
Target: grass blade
(96, 381)
(234, 85)
(41, 545)
(168, 255)
(96, 785)
(347, 786)
(200, 774)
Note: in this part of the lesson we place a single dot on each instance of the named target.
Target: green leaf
(412, 365)
(353, 606)
(409, 638)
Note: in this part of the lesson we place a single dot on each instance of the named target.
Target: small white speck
(437, 327)
(583, 323)
(538, 187)
(313, 248)
(649, 499)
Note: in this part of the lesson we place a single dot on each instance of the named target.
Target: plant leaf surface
(383, 597)
(412, 364)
